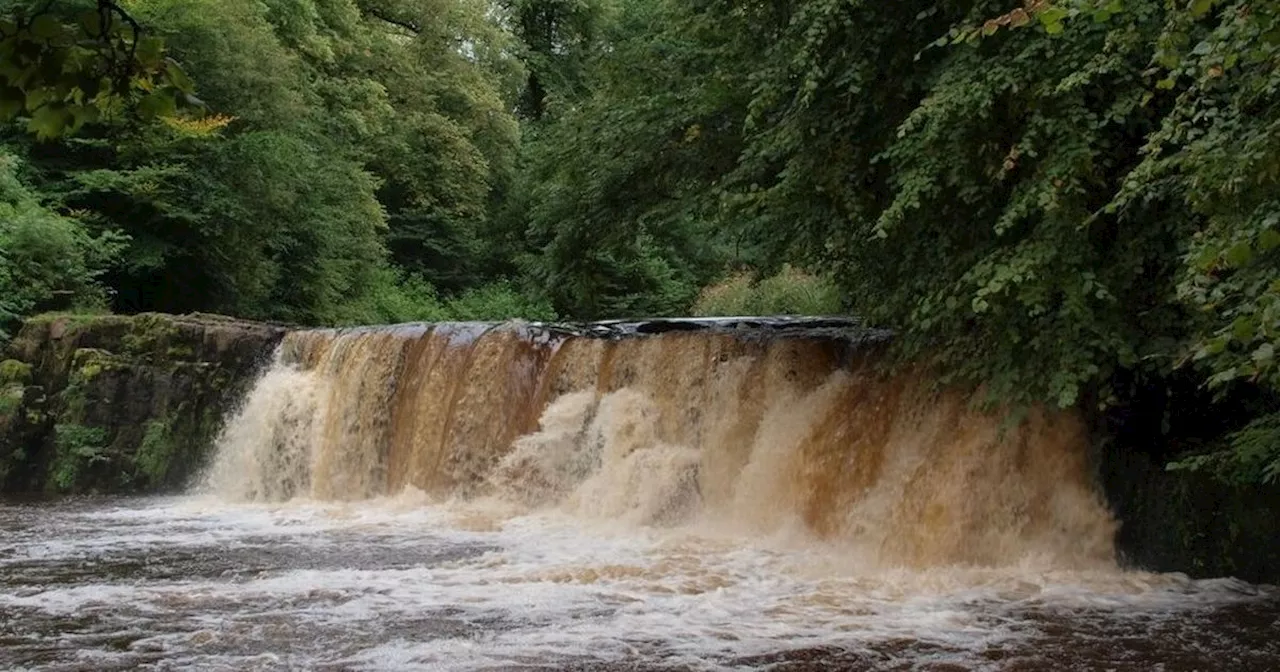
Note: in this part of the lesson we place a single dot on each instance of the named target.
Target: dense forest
(1072, 201)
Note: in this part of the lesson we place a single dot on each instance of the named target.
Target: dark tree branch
(107, 10)
(409, 25)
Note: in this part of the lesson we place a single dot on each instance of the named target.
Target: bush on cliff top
(45, 256)
(789, 292)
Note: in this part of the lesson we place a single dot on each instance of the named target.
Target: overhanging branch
(381, 15)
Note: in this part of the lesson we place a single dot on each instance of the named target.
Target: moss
(13, 371)
(155, 454)
(73, 318)
(89, 363)
(150, 334)
(86, 365)
(76, 447)
(10, 399)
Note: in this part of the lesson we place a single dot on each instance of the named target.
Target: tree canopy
(1069, 202)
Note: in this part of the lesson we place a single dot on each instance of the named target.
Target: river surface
(406, 584)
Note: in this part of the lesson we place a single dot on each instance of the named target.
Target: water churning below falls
(467, 497)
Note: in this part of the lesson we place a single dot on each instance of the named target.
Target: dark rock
(112, 403)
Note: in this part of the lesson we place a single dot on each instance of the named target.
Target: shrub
(43, 255)
(498, 301)
(789, 292)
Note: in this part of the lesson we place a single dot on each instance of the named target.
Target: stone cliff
(112, 403)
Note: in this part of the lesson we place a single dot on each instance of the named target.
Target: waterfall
(740, 431)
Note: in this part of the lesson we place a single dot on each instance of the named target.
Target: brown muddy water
(406, 584)
(495, 497)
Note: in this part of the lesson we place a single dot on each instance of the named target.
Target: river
(402, 583)
(481, 497)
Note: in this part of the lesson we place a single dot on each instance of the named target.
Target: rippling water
(402, 584)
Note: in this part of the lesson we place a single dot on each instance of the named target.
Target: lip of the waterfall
(823, 327)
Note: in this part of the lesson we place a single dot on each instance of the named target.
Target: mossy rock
(151, 335)
(89, 363)
(10, 402)
(112, 403)
(155, 455)
(13, 371)
(77, 449)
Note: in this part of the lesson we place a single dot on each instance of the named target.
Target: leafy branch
(62, 67)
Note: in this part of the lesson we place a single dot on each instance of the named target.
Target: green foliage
(789, 292)
(13, 371)
(559, 38)
(11, 395)
(1251, 455)
(497, 301)
(395, 297)
(155, 454)
(344, 130)
(408, 298)
(616, 202)
(45, 256)
(65, 64)
(77, 448)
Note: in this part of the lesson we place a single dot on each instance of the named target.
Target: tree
(65, 64)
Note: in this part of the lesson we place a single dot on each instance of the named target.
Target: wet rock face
(118, 403)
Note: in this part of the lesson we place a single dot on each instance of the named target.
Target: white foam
(541, 588)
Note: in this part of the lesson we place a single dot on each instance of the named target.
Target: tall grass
(790, 292)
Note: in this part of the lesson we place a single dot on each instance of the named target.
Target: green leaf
(1264, 354)
(178, 77)
(36, 98)
(49, 121)
(1206, 260)
(1239, 254)
(1068, 396)
(150, 50)
(1051, 19)
(1268, 240)
(1201, 7)
(91, 23)
(1242, 329)
(1222, 377)
(81, 115)
(46, 27)
(157, 104)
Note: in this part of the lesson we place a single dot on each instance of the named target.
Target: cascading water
(518, 497)
(753, 435)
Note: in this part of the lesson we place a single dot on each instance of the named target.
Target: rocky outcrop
(1192, 522)
(114, 403)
